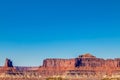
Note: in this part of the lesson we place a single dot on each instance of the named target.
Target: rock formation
(8, 63)
(8, 67)
(84, 65)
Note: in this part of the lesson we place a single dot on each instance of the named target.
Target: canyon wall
(83, 64)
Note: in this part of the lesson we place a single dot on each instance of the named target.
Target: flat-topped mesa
(87, 55)
(85, 64)
(8, 63)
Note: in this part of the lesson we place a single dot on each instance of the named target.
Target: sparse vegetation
(111, 79)
(55, 78)
(20, 79)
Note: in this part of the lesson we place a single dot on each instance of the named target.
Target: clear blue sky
(32, 30)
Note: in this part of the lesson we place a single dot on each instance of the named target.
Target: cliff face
(83, 64)
(56, 66)
(59, 63)
(89, 62)
(86, 60)
(86, 64)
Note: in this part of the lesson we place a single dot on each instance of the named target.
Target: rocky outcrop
(8, 63)
(83, 64)
(8, 67)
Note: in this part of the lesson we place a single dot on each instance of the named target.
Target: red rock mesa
(85, 64)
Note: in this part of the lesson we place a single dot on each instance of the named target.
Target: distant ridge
(83, 65)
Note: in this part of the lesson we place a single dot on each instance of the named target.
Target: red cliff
(83, 64)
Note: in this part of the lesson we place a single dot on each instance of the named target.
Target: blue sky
(32, 30)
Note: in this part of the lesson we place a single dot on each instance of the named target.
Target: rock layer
(86, 64)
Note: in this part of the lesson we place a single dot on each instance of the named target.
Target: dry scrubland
(32, 79)
(21, 79)
(111, 79)
(54, 79)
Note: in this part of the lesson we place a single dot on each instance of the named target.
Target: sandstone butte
(85, 64)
